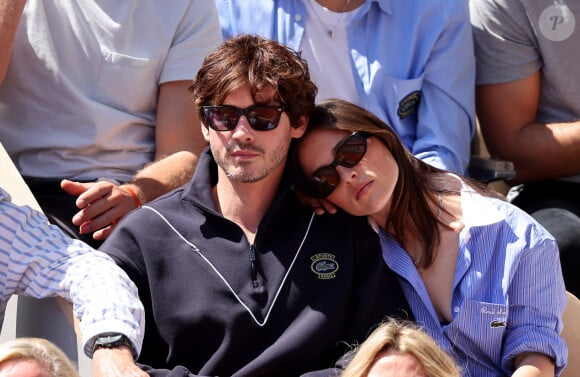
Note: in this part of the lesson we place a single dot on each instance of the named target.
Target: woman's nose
(346, 174)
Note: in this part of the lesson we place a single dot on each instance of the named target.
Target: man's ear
(205, 132)
(299, 130)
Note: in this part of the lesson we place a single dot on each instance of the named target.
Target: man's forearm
(545, 151)
(164, 175)
(10, 13)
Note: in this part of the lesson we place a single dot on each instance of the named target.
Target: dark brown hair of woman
(255, 62)
(418, 187)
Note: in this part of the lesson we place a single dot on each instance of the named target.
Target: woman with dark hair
(481, 276)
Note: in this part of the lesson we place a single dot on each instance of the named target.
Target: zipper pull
(253, 266)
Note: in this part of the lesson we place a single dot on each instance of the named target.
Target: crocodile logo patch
(324, 265)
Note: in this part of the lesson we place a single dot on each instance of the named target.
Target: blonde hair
(402, 337)
(45, 353)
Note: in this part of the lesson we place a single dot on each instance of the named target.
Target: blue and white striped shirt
(508, 292)
(38, 260)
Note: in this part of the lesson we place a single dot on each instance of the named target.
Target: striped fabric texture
(508, 292)
(38, 260)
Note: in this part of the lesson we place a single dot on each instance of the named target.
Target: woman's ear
(300, 128)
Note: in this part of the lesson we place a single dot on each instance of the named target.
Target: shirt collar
(385, 5)
(373, 224)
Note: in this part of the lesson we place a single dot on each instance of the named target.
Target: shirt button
(297, 18)
(456, 309)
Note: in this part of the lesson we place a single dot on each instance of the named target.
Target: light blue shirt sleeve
(413, 65)
(38, 260)
(537, 299)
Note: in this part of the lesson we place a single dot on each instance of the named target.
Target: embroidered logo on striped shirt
(496, 323)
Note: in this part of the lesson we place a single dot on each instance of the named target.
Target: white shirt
(80, 95)
(38, 260)
(324, 46)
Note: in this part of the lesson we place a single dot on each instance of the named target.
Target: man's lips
(244, 154)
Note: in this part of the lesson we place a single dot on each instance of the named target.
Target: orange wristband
(132, 192)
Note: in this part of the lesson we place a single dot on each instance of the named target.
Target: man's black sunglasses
(226, 117)
(348, 152)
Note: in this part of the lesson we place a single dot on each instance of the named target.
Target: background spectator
(528, 85)
(400, 349)
(95, 92)
(38, 260)
(409, 62)
(34, 357)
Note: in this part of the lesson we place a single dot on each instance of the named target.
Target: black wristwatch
(112, 340)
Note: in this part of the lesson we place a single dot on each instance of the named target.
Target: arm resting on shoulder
(178, 143)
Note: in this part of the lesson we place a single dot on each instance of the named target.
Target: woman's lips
(362, 189)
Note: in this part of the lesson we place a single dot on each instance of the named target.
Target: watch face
(109, 338)
(112, 340)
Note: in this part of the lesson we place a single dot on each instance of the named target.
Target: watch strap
(112, 340)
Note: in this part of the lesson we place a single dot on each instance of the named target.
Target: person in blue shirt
(481, 276)
(410, 62)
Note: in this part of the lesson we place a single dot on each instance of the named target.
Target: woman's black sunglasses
(226, 118)
(348, 152)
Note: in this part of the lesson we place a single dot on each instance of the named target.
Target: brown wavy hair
(416, 195)
(250, 60)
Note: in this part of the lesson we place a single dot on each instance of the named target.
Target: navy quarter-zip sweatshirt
(285, 305)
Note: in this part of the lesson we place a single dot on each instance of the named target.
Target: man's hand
(102, 204)
(115, 362)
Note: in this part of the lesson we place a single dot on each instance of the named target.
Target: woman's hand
(532, 364)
